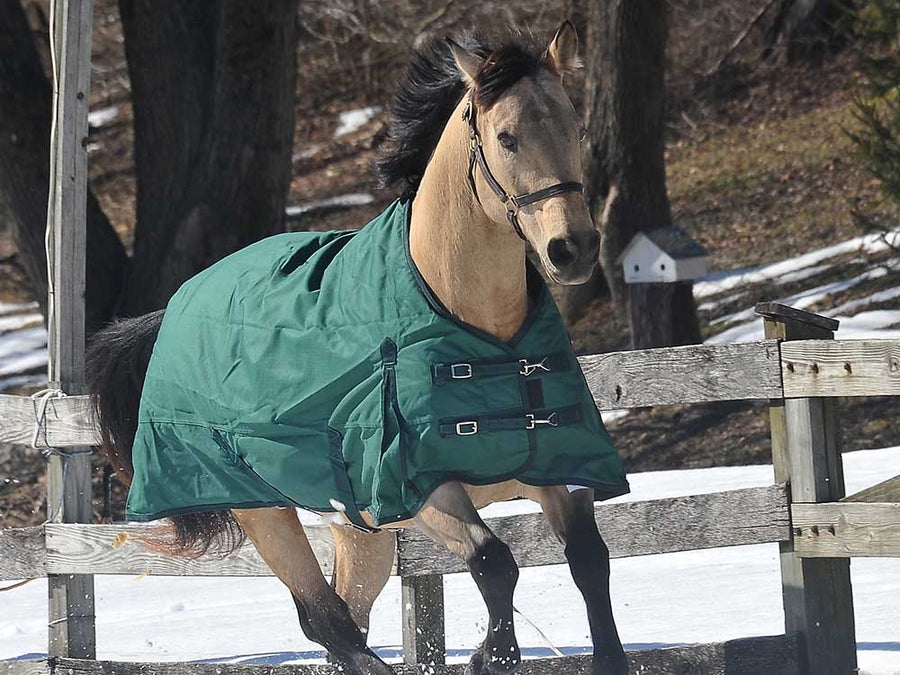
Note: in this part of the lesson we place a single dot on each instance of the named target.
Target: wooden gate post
(422, 605)
(818, 599)
(71, 597)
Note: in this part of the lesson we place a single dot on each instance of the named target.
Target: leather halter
(512, 202)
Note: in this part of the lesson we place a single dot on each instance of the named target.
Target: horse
(487, 145)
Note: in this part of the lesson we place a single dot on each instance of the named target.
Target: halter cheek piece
(511, 202)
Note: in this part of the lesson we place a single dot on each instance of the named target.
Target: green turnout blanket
(318, 370)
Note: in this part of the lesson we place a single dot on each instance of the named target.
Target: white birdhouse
(663, 256)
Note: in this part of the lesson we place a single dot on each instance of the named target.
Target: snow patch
(351, 120)
(97, 118)
(345, 201)
(719, 282)
(16, 308)
(852, 305)
(23, 350)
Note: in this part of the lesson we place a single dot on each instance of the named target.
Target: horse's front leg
(571, 517)
(450, 518)
(324, 617)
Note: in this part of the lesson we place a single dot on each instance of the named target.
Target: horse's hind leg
(324, 617)
(571, 516)
(450, 518)
(362, 566)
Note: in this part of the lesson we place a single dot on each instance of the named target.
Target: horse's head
(529, 137)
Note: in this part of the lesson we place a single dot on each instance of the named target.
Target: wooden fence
(799, 369)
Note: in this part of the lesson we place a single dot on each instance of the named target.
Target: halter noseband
(512, 202)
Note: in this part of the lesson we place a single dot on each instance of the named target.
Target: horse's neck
(474, 266)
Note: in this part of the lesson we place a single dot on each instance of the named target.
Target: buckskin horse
(406, 374)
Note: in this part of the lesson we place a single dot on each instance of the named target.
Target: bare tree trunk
(25, 110)
(213, 91)
(625, 170)
(806, 29)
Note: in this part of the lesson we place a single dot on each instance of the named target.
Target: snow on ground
(10, 322)
(16, 308)
(671, 599)
(719, 282)
(721, 287)
(22, 350)
(351, 120)
(347, 200)
(97, 118)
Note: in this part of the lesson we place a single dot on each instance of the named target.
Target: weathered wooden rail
(799, 379)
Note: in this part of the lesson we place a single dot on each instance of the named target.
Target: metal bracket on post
(71, 611)
(818, 599)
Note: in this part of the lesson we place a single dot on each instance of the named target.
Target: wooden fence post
(71, 597)
(422, 604)
(818, 599)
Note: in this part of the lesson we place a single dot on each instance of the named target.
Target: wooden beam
(887, 491)
(749, 516)
(775, 655)
(422, 606)
(817, 596)
(841, 530)
(71, 612)
(786, 314)
(67, 422)
(734, 518)
(692, 374)
(139, 549)
(22, 553)
(26, 667)
(841, 368)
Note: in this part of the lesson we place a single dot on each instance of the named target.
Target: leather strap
(539, 419)
(442, 373)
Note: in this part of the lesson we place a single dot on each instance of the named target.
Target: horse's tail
(115, 365)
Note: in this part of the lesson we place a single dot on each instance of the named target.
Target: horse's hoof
(609, 665)
(482, 664)
(363, 664)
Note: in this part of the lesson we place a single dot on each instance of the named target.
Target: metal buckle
(531, 422)
(529, 368)
(467, 428)
(460, 371)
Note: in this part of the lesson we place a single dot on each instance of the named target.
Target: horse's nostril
(562, 251)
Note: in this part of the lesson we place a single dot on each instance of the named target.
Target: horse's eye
(582, 134)
(508, 141)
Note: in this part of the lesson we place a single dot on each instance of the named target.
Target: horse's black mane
(431, 90)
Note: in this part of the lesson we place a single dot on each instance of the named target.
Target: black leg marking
(328, 622)
(495, 572)
(588, 558)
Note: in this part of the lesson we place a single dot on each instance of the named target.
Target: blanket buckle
(528, 368)
(467, 428)
(460, 371)
(531, 421)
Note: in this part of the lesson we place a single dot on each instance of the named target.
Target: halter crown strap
(512, 202)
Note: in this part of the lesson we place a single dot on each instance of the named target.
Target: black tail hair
(115, 366)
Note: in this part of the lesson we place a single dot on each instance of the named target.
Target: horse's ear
(469, 64)
(562, 52)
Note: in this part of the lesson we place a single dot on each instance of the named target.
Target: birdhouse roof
(673, 241)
